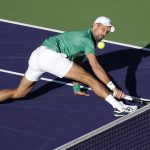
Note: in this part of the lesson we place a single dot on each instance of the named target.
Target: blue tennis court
(52, 115)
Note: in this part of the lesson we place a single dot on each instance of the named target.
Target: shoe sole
(118, 115)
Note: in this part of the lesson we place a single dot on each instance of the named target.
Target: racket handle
(128, 97)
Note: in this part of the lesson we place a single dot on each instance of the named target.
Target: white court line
(29, 25)
(59, 31)
(44, 79)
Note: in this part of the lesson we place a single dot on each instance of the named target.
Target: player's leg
(32, 75)
(22, 90)
(79, 74)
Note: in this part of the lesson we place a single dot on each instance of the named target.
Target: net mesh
(133, 134)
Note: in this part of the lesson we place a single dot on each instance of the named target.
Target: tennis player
(59, 55)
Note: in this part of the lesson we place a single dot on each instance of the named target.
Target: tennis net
(129, 132)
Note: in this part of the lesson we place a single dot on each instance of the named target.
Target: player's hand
(118, 93)
(81, 93)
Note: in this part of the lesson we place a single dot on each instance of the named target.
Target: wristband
(110, 85)
(76, 87)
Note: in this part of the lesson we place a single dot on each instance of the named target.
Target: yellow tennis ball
(101, 45)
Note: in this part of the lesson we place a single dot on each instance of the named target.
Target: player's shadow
(49, 86)
(44, 89)
(128, 58)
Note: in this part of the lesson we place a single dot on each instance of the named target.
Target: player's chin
(98, 38)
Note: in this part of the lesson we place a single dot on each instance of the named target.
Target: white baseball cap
(106, 22)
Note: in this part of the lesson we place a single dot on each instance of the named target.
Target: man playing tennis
(58, 55)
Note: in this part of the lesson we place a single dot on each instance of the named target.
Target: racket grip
(127, 97)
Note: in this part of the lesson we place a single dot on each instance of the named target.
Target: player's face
(100, 31)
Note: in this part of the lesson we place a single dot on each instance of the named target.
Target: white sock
(112, 101)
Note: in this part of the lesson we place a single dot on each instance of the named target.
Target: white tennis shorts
(46, 60)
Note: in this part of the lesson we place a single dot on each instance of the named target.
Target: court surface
(52, 115)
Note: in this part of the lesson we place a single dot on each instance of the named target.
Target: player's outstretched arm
(102, 75)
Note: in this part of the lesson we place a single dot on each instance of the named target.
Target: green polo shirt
(74, 44)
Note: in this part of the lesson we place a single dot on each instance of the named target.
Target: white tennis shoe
(127, 109)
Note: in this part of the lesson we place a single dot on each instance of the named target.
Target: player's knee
(88, 79)
(17, 95)
(91, 81)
